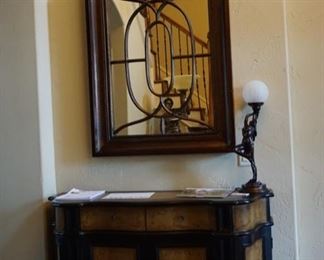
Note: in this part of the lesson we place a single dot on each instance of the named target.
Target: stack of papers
(204, 193)
(84, 195)
(129, 195)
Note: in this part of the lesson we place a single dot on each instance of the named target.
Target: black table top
(162, 198)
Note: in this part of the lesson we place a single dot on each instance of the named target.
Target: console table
(164, 227)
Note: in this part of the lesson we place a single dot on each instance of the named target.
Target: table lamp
(255, 93)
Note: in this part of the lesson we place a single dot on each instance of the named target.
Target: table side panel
(254, 252)
(247, 217)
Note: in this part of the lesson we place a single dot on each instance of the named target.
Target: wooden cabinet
(164, 227)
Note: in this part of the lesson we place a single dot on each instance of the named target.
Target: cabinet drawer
(180, 218)
(112, 218)
(182, 254)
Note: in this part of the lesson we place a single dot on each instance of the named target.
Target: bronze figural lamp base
(254, 187)
(246, 150)
(254, 93)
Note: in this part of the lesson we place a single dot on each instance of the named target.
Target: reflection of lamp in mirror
(255, 93)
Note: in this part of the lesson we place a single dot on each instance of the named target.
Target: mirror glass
(160, 63)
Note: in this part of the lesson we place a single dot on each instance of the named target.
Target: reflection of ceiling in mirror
(197, 16)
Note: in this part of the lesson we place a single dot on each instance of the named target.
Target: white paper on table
(76, 194)
(129, 195)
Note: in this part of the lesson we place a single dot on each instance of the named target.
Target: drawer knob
(181, 218)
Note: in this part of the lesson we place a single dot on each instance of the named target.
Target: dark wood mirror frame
(103, 141)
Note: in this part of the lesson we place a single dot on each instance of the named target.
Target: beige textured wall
(258, 53)
(306, 70)
(22, 218)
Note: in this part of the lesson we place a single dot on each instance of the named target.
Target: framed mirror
(160, 76)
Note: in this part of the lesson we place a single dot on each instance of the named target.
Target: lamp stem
(246, 148)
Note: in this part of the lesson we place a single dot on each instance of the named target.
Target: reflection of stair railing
(182, 58)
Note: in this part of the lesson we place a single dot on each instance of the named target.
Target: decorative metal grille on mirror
(167, 89)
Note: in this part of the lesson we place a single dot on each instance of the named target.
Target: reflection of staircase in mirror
(198, 107)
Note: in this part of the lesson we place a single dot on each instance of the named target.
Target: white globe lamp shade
(255, 91)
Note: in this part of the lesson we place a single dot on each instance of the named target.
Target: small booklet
(84, 195)
(204, 193)
(128, 195)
